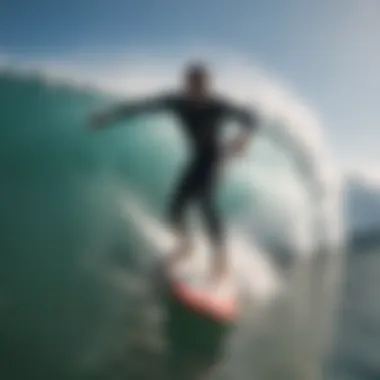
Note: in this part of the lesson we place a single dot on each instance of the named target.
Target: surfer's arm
(247, 119)
(131, 109)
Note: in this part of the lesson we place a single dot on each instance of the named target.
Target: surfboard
(192, 287)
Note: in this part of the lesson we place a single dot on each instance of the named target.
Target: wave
(71, 227)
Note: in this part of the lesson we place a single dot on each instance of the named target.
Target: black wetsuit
(202, 125)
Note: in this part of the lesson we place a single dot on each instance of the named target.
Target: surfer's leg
(214, 223)
(215, 229)
(183, 195)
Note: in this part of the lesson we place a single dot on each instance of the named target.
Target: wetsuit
(202, 125)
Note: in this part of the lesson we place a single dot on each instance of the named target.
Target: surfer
(201, 114)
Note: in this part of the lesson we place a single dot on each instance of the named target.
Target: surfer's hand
(237, 146)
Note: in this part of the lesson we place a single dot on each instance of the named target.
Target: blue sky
(329, 51)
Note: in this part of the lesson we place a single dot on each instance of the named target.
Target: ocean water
(83, 222)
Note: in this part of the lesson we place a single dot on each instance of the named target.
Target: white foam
(254, 271)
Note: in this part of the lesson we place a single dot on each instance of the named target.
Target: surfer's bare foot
(182, 251)
(218, 273)
(219, 267)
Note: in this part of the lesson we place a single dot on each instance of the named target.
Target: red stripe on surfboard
(203, 303)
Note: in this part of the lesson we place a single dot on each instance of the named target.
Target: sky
(327, 50)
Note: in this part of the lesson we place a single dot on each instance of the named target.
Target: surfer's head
(197, 80)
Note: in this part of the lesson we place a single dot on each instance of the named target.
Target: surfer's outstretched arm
(131, 109)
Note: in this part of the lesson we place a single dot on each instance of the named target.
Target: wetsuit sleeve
(247, 119)
(147, 105)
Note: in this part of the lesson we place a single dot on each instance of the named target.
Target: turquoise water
(76, 296)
